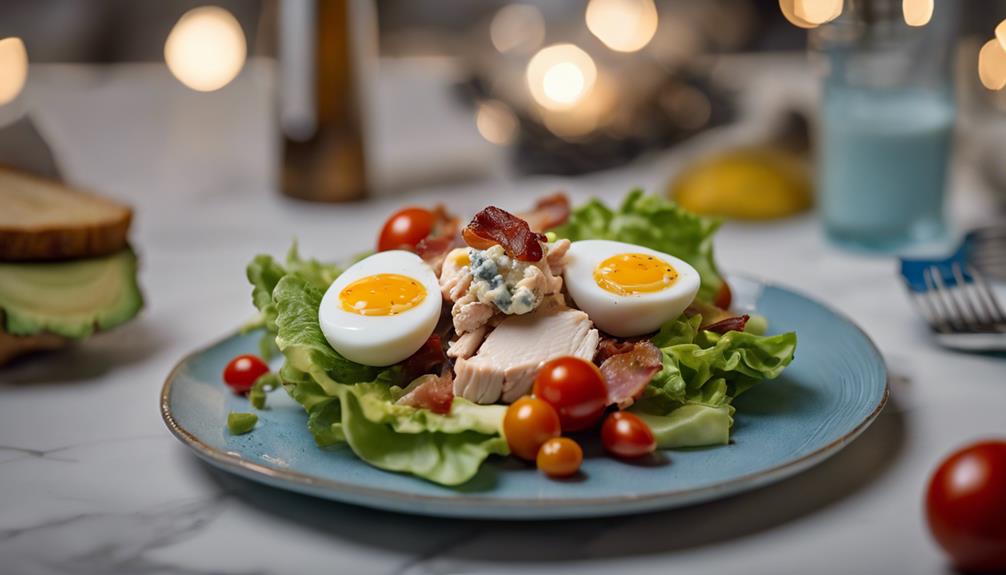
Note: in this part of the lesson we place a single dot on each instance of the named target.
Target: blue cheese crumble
(495, 279)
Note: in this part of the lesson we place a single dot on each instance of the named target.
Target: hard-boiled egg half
(382, 309)
(628, 290)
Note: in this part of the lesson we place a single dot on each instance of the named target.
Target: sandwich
(66, 268)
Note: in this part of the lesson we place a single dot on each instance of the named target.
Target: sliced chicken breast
(510, 356)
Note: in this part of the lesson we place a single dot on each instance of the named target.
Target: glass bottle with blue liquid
(887, 118)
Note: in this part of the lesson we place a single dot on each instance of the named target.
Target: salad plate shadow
(831, 392)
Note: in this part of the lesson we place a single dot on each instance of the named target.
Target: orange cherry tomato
(242, 371)
(405, 228)
(528, 424)
(966, 507)
(625, 435)
(575, 388)
(560, 457)
(724, 297)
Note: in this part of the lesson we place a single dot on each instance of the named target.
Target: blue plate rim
(600, 505)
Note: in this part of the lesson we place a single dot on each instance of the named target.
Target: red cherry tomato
(559, 457)
(575, 388)
(966, 506)
(242, 371)
(405, 228)
(527, 424)
(625, 435)
(723, 297)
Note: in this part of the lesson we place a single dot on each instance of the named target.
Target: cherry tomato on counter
(966, 506)
(405, 228)
(559, 457)
(242, 371)
(575, 388)
(625, 435)
(528, 424)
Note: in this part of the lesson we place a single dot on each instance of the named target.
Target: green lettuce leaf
(264, 273)
(653, 222)
(689, 398)
(691, 425)
(352, 404)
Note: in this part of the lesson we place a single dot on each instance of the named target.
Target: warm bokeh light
(13, 68)
(1001, 34)
(917, 12)
(992, 65)
(560, 76)
(517, 28)
(788, 8)
(623, 25)
(495, 122)
(206, 48)
(591, 113)
(817, 11)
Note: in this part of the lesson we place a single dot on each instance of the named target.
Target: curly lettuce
(688, 402)
(354, 405)
(653, 222)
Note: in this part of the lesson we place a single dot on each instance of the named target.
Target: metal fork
(985, 249)
(965, 314)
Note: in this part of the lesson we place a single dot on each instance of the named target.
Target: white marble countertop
(92, 482)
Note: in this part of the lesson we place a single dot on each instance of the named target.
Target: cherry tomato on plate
(242, 371)
(559, 457)
(966, 506)
(625, 435)
(527, 424)
(405, 228)
(575, 388)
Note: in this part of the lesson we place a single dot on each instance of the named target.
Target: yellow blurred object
(748, 184)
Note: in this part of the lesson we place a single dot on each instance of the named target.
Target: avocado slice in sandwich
(66, 270)
(70, 299)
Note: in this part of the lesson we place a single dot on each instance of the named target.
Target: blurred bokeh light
(917, 12)
(517, 28)
(623, 25)
(817, 11)
(560, 76)
(13, 68)
(206, 49)
(992, 65)
(496, 122)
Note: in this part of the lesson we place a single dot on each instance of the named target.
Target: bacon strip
(434, 247)
(495, 226)
(549, 212)
(433, 392)
(628, 373)
(735, 323)
(428, 359)
(716, 319)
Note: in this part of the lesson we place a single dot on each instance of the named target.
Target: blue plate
(833, 390)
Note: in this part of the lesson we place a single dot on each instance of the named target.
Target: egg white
(625, 315)
(381, 340)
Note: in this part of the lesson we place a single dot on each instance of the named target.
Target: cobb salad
(452, 343)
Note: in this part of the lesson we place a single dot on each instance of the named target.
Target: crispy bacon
(549, 212)
(609, 346)
(433, 392)
(428, 359)
(716, 319)
(735, 323)
(495, 226)
(629, 372)
(434, 247)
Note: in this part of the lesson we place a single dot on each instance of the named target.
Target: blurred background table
(93, 483)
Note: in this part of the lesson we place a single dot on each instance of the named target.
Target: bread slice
(45, 220)
(14, 346)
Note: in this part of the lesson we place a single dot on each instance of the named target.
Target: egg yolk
(627, 274)
(382, 294)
